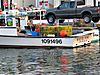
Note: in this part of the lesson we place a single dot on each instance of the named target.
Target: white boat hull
(73, 41)
(35, 41)
(13, 41)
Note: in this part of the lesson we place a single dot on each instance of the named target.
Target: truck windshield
(67, 5)
(64, 5)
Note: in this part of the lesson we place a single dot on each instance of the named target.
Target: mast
(9, 4)
(36, 3)
(2, 7)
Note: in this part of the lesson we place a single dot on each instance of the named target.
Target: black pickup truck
(69, 10)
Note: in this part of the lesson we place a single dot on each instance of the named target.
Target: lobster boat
(48, 36)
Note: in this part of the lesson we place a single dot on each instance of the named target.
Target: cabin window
(2, 22)
(9, 22)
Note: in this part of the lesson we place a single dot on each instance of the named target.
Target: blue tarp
(34, 33)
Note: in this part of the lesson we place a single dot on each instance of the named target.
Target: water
(57, 61)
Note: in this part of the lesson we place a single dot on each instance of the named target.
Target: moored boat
(9, 36)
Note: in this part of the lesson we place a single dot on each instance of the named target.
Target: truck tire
(87, 18)
(95, 19)
(51, 19)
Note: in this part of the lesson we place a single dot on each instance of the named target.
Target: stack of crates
(46, 30)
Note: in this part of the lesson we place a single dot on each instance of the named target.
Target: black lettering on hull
(51, 41)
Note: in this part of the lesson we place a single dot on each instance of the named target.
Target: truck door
(61, 10)
(66, 10)
(71, 10)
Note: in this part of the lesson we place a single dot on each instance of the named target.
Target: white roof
(36, 10)
(81, 34)
(96, 31)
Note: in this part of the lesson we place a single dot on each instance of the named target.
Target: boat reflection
(57, 61)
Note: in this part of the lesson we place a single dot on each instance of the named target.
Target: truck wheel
(51, 19)
(95, 19)
(87, 18)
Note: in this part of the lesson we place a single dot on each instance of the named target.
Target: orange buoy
(62, 33)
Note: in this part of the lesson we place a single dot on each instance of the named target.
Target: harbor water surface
(51, 61)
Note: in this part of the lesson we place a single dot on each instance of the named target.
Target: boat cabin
(8, 25)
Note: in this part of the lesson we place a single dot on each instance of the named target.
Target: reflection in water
(58, 61)
(86, 60)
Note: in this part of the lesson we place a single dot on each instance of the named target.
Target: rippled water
(57, 61)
